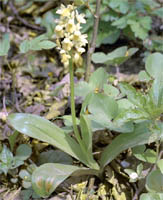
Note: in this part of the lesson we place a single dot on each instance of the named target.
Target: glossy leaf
(48, 176)
(23, 151)
(98, 78)
(103, 107)
(111, 90)
(124, 141)
(44, 130)
(157, 91)
(86, 133)
(160, 165)
(134, 96)
(116, 57)
(154, 65)
(148, 155)
(151, 196)
(154, 181)
(54, 156)
(82, 89)
(143, 76)
(131, 115)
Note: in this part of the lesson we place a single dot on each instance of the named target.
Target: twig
(91, 185)
(23, 21)
(92, 44)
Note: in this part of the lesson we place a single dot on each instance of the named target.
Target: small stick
(92, 44)
(23, 21)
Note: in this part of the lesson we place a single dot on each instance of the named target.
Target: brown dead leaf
(12, 195)
(56, 109)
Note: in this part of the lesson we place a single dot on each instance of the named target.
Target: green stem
(73, 112)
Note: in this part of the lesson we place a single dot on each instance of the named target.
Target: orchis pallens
(68, 35)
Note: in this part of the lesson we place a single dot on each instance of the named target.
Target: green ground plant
(135, 115)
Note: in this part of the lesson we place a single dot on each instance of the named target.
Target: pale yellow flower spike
(68, 35)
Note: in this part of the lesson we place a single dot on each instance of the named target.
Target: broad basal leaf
(43, 130)
(48, 176)
(86, 133)
(124, 141)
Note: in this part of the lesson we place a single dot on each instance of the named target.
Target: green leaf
(36, 44)
(154, 65)
(158, 12)
(44, 130)
(135, 97)
(6, 160)
(23, 151)
(99, 57)
(124, 141)
(160, 165)
(103, 107)
(156, 92)
(151, 196)
(6, 155)
(54, 156)
(44, 45)
(98, 78)
(82, 89)
(5, 45)
(149, 155)
(24, 46)
(154, 181)
(120, 23)
(86, 133)
(140, 26)
(119, 6)
(124, 104)
(131, 114)
(12, 139)
(48, 176)
(116, 57)
(111, 90)
(143, 76)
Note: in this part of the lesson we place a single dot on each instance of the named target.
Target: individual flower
(65, 57)
(133, 175)
(70, 26)
(80, 18)
(65, 12)
(59, 31)
(77, 59)
(67, 44)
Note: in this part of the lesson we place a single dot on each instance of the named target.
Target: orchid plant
(101, 108)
